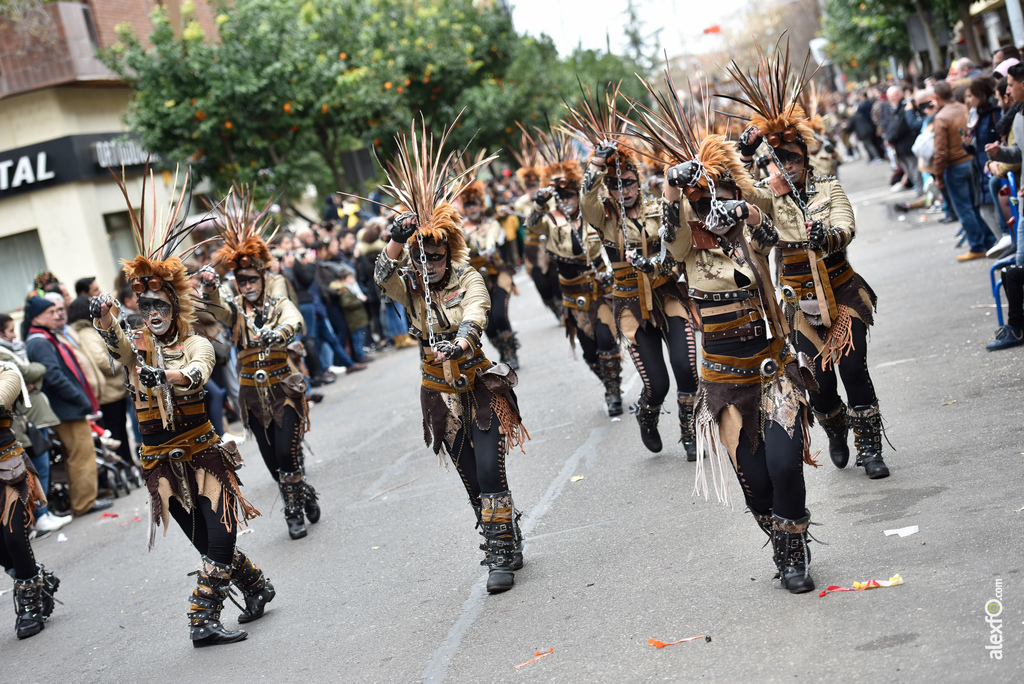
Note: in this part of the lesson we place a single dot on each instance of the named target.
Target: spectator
(353, 304)
(126, 296)
(954, 170)
(368, 246)
(331, 325)
(983, 115)
(901, 136)
(964, 68)
(864, 127)
(71, 399)
(31, 422)
(87, 286)
(110, 388)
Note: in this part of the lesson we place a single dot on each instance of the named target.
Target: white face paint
(437, 263)
(158, 311)
(250, 284)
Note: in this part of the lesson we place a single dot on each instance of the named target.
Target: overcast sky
(571, 22)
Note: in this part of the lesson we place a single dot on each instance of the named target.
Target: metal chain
(622, 206)
(427, 300)
(796, 195)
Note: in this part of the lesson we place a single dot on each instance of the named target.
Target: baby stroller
(113, 472)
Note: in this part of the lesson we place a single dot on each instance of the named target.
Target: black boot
(293, 492)
(500, 532)
(866, 422)
(611, 376)
(311, 507)
(254, 585)
(766, 522)
(33, 603)
(647, 417)
(838, 430)
(206, 604)
(792, 557)
(507, 345)
(686, 435)
(517, 552)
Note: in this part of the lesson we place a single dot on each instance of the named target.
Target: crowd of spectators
(955, 139)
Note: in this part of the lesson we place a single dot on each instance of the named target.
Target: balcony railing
(63, 51)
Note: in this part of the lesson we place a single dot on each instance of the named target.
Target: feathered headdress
(810, 99)
(676, 137)
(560, 151)
(592, 121)
(773, 94)
(473, 193)
(158, 266)
(242, 226)
(427, 181)
(527, 158)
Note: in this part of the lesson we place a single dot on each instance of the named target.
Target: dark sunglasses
(562, 183)
(789, 157)
(247, 280)
(150, 282)
(614, 183)
(701, 207)
(150, 305)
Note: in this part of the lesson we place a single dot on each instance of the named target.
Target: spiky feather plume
(773, 92)
(592, 120)
(245, 229)
(426, 180)
(527, 157)
(159, 239)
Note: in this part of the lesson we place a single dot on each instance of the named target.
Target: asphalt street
(387, 587)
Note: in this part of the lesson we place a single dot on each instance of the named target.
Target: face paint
(437, 264)
(157, 311)
(250, 284)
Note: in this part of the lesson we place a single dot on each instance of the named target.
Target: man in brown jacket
(954, 171)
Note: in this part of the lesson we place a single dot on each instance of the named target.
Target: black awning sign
(24, 172)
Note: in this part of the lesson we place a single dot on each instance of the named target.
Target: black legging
(853, 368)
(605, 342)
(1013, 284)
(16, 551)
(546, 283)
(280, 447)
(498, 321)
(205, 530)
(481, 465)
(772, 478)
(650, 362)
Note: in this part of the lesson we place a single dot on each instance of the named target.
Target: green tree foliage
(288, 86)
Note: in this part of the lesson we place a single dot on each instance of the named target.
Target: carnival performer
(535, 258)
(575, 248)
(264, 325)
(484, 237)
(189, 473)
(815, 223)
(650, 309)
(469, 406)
(34, 585)
(751, 406)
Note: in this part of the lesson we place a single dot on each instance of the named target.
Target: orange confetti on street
(536, 656)
(661, 644)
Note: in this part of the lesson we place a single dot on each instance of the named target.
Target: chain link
(796, 195)
(427, 299)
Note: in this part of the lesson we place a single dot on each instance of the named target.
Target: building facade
(62, 132)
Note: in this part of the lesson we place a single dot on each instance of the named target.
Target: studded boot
(687, 437)
(293, 492)
(791, 555)
(866, 422)
(500, 540)
(517, 552)
(311, 507)
(766, 522)
(33, 603)
(647, 417)
(255, 587)
(206, 604)
(837, 428)
(611, 376)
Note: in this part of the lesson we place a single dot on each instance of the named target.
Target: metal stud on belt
(260, 376)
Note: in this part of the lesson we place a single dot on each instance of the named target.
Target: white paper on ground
(903, 531)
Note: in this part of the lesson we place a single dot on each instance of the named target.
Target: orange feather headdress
(592, 121)
(158, 266)
(428, 181)
(528, 159)
(675, 137)
(772, 93)
(242, 228)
